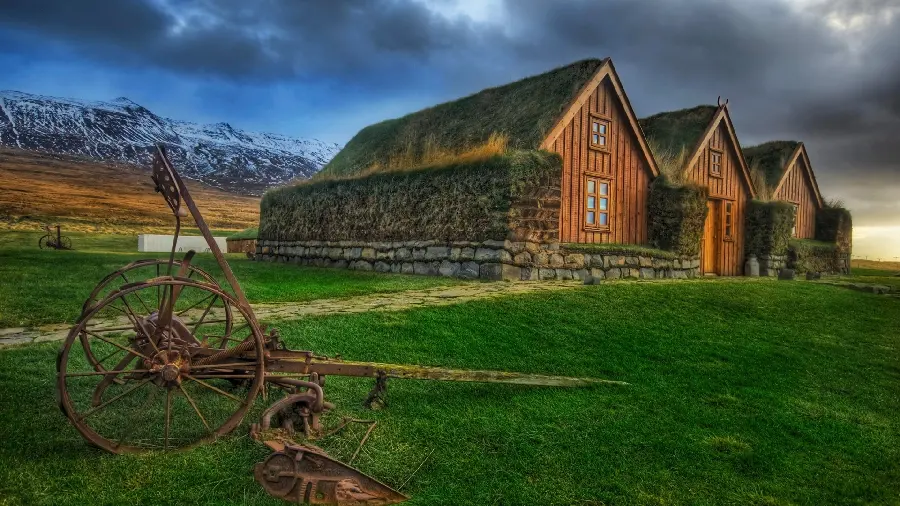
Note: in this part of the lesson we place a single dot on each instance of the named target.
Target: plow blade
(301, 475)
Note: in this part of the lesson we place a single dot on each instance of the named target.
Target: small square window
(604, 204)
(715, 163)
(604, 219)
(604, 188)
(592, 204)
(591, 186)
(590, 217)
(599, 132)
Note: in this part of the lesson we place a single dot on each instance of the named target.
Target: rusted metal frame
(302, 363)
(204, 231)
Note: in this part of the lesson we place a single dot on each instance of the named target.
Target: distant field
(93, 196)
(872, 264)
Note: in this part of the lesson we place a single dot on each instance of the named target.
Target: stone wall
(769, 266)
(492, 260)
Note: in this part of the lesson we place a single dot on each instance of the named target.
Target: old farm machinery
(54, 240)
(163, 358)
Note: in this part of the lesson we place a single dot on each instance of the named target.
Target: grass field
(742, 392)
(101, 197)
(47, 286)
(753, 392)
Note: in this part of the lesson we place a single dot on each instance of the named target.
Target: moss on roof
(771, 158)
(675, 130)
(525, 111)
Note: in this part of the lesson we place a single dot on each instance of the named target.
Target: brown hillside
(37, 188)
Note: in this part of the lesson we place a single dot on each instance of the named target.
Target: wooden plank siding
(796, 188)
(730, 186)
(621, 164)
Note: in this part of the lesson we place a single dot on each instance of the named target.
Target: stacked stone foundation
(770, 266)
(489, 260)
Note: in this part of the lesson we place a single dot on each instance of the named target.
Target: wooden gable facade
(607, 165)
(718, 164)
(798, 186)
(714, 160)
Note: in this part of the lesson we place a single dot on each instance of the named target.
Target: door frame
(715, 221)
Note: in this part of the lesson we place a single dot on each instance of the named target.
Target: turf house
(545, 178)
(789, 177)
(796, 228)
(702, 149)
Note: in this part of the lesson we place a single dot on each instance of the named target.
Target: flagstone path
(396, 301)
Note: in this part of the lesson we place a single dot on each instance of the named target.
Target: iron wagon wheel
(164, 383)
(65, 242)
(45, 242)
(141, 270)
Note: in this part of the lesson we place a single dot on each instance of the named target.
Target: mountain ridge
(122, 130)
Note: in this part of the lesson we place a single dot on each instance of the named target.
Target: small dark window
(715, 162)
(599, 133)
(794, 228)
(729, 221)
(596, 203)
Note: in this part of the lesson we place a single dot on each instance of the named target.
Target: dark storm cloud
(247, 41)
(788, 72)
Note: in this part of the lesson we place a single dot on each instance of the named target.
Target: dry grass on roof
(523, 111)
(676, 130)
(771, 158)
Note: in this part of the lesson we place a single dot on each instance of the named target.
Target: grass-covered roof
(523, 111)
(674, 130)
(771, 158)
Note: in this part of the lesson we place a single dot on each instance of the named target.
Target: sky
(825, 72)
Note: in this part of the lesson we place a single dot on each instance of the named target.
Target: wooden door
(710, 250)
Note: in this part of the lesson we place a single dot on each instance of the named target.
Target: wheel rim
(158, 388)
(139, 270)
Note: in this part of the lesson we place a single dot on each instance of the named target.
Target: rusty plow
(163, 357)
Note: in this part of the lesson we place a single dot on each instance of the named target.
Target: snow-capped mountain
(124, 131)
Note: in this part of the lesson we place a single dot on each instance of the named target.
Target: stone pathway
(396, 301)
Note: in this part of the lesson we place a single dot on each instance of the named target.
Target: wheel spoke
(98, 328)
(206, 312)
(104, 359)
(107, 403)
(105, 373)
(168, 417)
(117, 345)
(192, 306)
(214, 389)
(194, 405)
(134, 421)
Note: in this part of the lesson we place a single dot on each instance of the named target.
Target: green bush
(676, 216)
(618, 249)
(835, 225)
(806, 255)
(458, 202)
(769, 227)
(247, 233)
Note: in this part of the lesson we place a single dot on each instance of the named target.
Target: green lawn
(47, 286)
(757, 392)
(875, 277)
